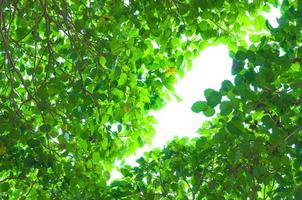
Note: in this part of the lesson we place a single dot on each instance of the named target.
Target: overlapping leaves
(252, 148)
(78, 78)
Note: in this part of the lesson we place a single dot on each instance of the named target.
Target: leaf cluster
(78, 78)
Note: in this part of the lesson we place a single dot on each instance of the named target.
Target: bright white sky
(176, 118)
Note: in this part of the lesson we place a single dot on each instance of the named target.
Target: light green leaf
(96, 157)
(102, 61)
(123, 79)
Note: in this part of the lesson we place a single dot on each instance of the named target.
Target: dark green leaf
(199, 106)
(213, 97)
(226, 107)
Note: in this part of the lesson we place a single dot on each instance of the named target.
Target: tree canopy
(78, 79)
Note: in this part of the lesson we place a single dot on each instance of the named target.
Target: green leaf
(267, 121)
(259, 22)
(199, 106)
(209, 112)
(123, 79)
(4, 187)
(141, 160)
(102, 61)
(296, 67)
(140, 141)
(255, 38)
(237, 67)
(226, 85)
(240, 55)
(96, 158)
(277, 136)
(202, 106)
(203, 26)
(206, 15)
(298, 193)
(226, 107)
(213, 97)
(117, 92)
(235, 127)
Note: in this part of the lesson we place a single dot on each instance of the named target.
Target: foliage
(78, 78)
(252, 148)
